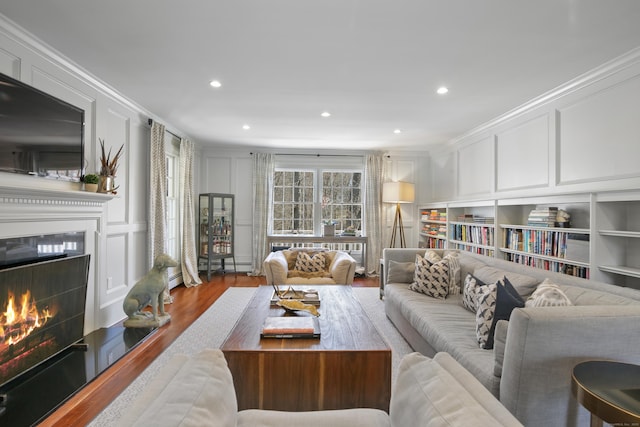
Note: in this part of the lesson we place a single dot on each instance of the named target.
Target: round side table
(609, 390)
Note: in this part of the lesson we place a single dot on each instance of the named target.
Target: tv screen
(39, 134)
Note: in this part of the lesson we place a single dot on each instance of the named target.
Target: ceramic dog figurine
(149, 291)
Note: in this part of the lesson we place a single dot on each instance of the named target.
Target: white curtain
(157, 197)
(189, 258)
(263, 168)
(374, 173)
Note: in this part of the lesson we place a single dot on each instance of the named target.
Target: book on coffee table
(290, 327)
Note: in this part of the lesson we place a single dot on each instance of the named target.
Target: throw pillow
(495, 303)
(470, 292)
(431, 279)
(454, 273)
(310, 264)
(454, 268)
(400, 272)
(548, 294)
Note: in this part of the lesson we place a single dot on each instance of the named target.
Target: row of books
(555, 266)
(474, 249)
(543, 217)
(472, 234)
(475, 218)
(433, 215)
(439, 230)
(433, 243)
(541, 242)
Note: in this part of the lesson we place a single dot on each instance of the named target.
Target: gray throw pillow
(400, 272)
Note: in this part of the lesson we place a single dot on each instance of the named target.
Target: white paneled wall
(585, 137)
(118, 233)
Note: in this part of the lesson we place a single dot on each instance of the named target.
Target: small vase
(106, 184)
(91, 188)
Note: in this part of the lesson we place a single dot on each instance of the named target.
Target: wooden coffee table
(348, 367)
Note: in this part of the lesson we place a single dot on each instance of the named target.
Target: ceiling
(374, 65)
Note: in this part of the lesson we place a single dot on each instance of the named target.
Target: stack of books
(542, 217)
(290, 327)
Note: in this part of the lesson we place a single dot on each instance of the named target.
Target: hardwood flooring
(188, 305)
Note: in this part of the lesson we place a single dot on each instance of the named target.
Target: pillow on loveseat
(400, 272)
(454, 268)
(470, 292)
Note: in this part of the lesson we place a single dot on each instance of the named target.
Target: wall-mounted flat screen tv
(40, 134)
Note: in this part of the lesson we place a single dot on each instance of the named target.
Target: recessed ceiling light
(215, 83)
(326, 114)
(246, 127)
(397, 131)
(442, 90)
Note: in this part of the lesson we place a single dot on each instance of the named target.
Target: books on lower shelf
(291, 327)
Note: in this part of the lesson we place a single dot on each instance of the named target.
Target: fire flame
(20, 320)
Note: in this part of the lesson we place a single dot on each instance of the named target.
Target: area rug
(210, 330)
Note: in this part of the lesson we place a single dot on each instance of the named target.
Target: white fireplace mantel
(36, 207)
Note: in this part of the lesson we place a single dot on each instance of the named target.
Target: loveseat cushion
(439, 392)
(187, 391)
(359, 417)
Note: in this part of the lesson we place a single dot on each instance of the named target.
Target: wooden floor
(188, 305)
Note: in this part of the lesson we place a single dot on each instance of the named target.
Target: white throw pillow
(431, 279)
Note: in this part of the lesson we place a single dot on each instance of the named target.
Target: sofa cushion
(431, 279)
(357, 417)
(447, 327)
(427, 394)
(583, 296)
(496, 303)
(187, 391)
(400, 272)
(525, 285)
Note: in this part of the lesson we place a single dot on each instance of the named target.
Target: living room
(577, 139)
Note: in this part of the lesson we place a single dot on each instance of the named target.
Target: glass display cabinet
(215, 230)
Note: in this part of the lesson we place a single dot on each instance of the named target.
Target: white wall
(583, 137)
(120, 258)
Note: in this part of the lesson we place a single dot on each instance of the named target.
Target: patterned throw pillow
(454, 268)
(431, 279)
(548, 294)
(470, 291)
(495, 302)
(310, 264)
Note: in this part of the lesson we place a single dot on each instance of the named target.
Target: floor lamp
(398, 192)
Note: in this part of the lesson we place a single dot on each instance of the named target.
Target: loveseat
(199, 391)
(307, 266)
(529, 367)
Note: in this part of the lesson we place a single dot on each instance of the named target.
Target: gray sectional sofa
(529, 368)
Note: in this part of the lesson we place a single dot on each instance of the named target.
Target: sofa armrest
(276, 268)
(440, 392)
(343, 268)
(544, 344)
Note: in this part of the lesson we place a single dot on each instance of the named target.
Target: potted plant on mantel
(108, 169)
(91, 182)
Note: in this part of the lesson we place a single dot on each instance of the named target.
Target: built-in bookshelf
(551, 234)
(472, 228)
(433, 228)
(617, 238)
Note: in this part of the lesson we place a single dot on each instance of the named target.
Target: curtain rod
(316, 155)
(150, 121)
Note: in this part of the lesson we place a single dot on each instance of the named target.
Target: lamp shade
(398, 192)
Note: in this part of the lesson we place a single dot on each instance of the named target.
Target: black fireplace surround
(44, 357)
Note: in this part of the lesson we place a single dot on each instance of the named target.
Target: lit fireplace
(42, 312)
(20, 319)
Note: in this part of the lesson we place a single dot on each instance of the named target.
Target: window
(342, 200)
(293, 195)
(298, 207)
